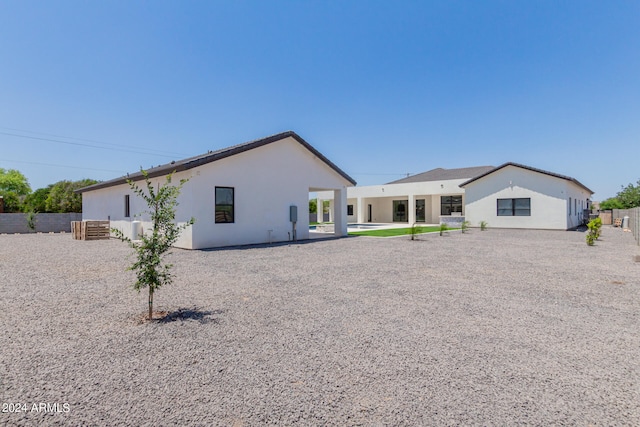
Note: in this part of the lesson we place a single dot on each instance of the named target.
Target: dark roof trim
(440, 174)
(193, 162)
(518, 165)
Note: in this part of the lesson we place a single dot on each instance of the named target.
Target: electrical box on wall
(293, 213)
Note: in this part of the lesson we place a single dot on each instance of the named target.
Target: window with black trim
(225, 205)
(127, 206)
(349, 209)
(449, 204)
(420, 210)
(514, 207)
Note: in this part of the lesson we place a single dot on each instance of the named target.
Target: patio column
(319, 214)
(331, 208)
(340, 211)
(360, 213)
(412, 209)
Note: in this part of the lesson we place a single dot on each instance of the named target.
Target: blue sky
(382, 88)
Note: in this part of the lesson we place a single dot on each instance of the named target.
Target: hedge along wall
(45, 222)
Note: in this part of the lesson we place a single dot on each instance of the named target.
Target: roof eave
(532, 169)
(212, 157)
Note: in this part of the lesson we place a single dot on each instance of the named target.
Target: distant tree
(13, 188)
(611, 203)
(11, 201)
(313, 206)
(150, 268)
(37, 201)
(628, 197)
(62, 197)
(14, 182)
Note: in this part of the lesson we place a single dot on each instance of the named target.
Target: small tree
(443, 228)
(414, 231)
(150, 270)
(31, 220)
(593, 232)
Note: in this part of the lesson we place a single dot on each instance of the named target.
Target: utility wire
(378, 174)
(93, 140)
(61, 166)
(84, 145)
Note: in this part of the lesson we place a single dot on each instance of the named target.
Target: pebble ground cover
(501, 327)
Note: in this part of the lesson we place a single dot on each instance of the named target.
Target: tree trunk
(150, 303)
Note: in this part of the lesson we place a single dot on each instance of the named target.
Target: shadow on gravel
(274, 244)
(196, 314)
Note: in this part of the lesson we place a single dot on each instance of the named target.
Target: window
(420, 210)
(514, 207)
(449, 204)
(224, 205)
(349, 209)
(127, 206)
(400, 210)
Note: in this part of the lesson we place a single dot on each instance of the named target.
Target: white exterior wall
(579, 197)
(381, 198)
(549, 199)
(267, 180)
(354, 203)
(108, 203)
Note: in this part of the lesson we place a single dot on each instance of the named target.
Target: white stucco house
(518, 196)
(238, 195)
(508, 196)
(429, 197)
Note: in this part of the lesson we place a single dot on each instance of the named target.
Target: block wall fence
(45, 222)
(634, 220)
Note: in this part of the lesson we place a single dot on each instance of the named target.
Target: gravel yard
(502, 327)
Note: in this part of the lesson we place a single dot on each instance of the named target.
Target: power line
(93, 140)
(61, 166)
(379, 174)
(85, 145)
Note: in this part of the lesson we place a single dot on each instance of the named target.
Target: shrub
(414, 231)
(465, 226)
(31, 221)
(443, 228)
(593, 230)
(483, 225)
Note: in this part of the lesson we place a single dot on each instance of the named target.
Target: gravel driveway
(503, 327)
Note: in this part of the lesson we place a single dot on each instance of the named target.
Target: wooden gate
(605, 216)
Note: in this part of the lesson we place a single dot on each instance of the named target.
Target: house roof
(529, 168)
(212, 156)
(441, 174)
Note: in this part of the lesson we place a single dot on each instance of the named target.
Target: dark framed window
(420, 210)
(514, 207)
(449, 204)
(400, 210)
(225, 199)
(127, 206)
(349, 209)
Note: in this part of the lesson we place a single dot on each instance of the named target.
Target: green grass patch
(390, 232)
